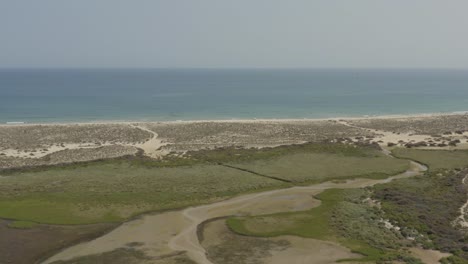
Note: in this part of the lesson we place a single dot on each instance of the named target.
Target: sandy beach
(48, 144)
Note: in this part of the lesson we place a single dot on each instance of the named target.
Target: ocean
(88, 95)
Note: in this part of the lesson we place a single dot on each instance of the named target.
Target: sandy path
(154, 239)
(152, 146)
(461, 220)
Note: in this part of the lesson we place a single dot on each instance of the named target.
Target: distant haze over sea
(36, 96)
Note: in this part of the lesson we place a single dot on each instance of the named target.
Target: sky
(234, 34)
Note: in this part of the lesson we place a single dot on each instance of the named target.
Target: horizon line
(233, 68)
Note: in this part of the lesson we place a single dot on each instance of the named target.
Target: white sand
(252, 120)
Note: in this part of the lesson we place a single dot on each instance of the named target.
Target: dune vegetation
(426, 208)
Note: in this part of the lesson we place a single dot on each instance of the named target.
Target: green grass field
(22, 224)
(115, 190)
(435, 159)
(112, 192)
(318, 167)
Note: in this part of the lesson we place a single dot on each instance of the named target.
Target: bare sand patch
(150, 234)
(153, 146)
(385, 138)
(428, 256)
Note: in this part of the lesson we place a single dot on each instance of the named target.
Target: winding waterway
(176, 231)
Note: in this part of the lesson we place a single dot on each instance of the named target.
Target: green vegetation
(112, 192)
(435, 159)
(453, 260)
(115, 190)
(22, 224)
(426, 206)
(233, 155)
(342, 217)
(319, 167)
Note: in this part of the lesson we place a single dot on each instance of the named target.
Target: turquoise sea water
(94, 95)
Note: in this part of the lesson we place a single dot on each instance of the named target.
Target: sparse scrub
(428, 204)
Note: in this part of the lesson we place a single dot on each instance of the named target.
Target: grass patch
(118, 189)
(453, 260)
(113, 192)
(233, 155)
(342, 217)
(22, 224)
(435, 159)
(313, 167)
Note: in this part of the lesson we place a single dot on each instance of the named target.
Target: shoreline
(236, 120)
(38, 144)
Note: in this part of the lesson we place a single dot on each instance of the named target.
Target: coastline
(239, 120)
(26, 145)
(44, 145)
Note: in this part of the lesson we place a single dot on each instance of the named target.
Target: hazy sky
(234, 33)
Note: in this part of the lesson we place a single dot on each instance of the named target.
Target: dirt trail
(461, 220)
(183, 236)
(151, 147)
